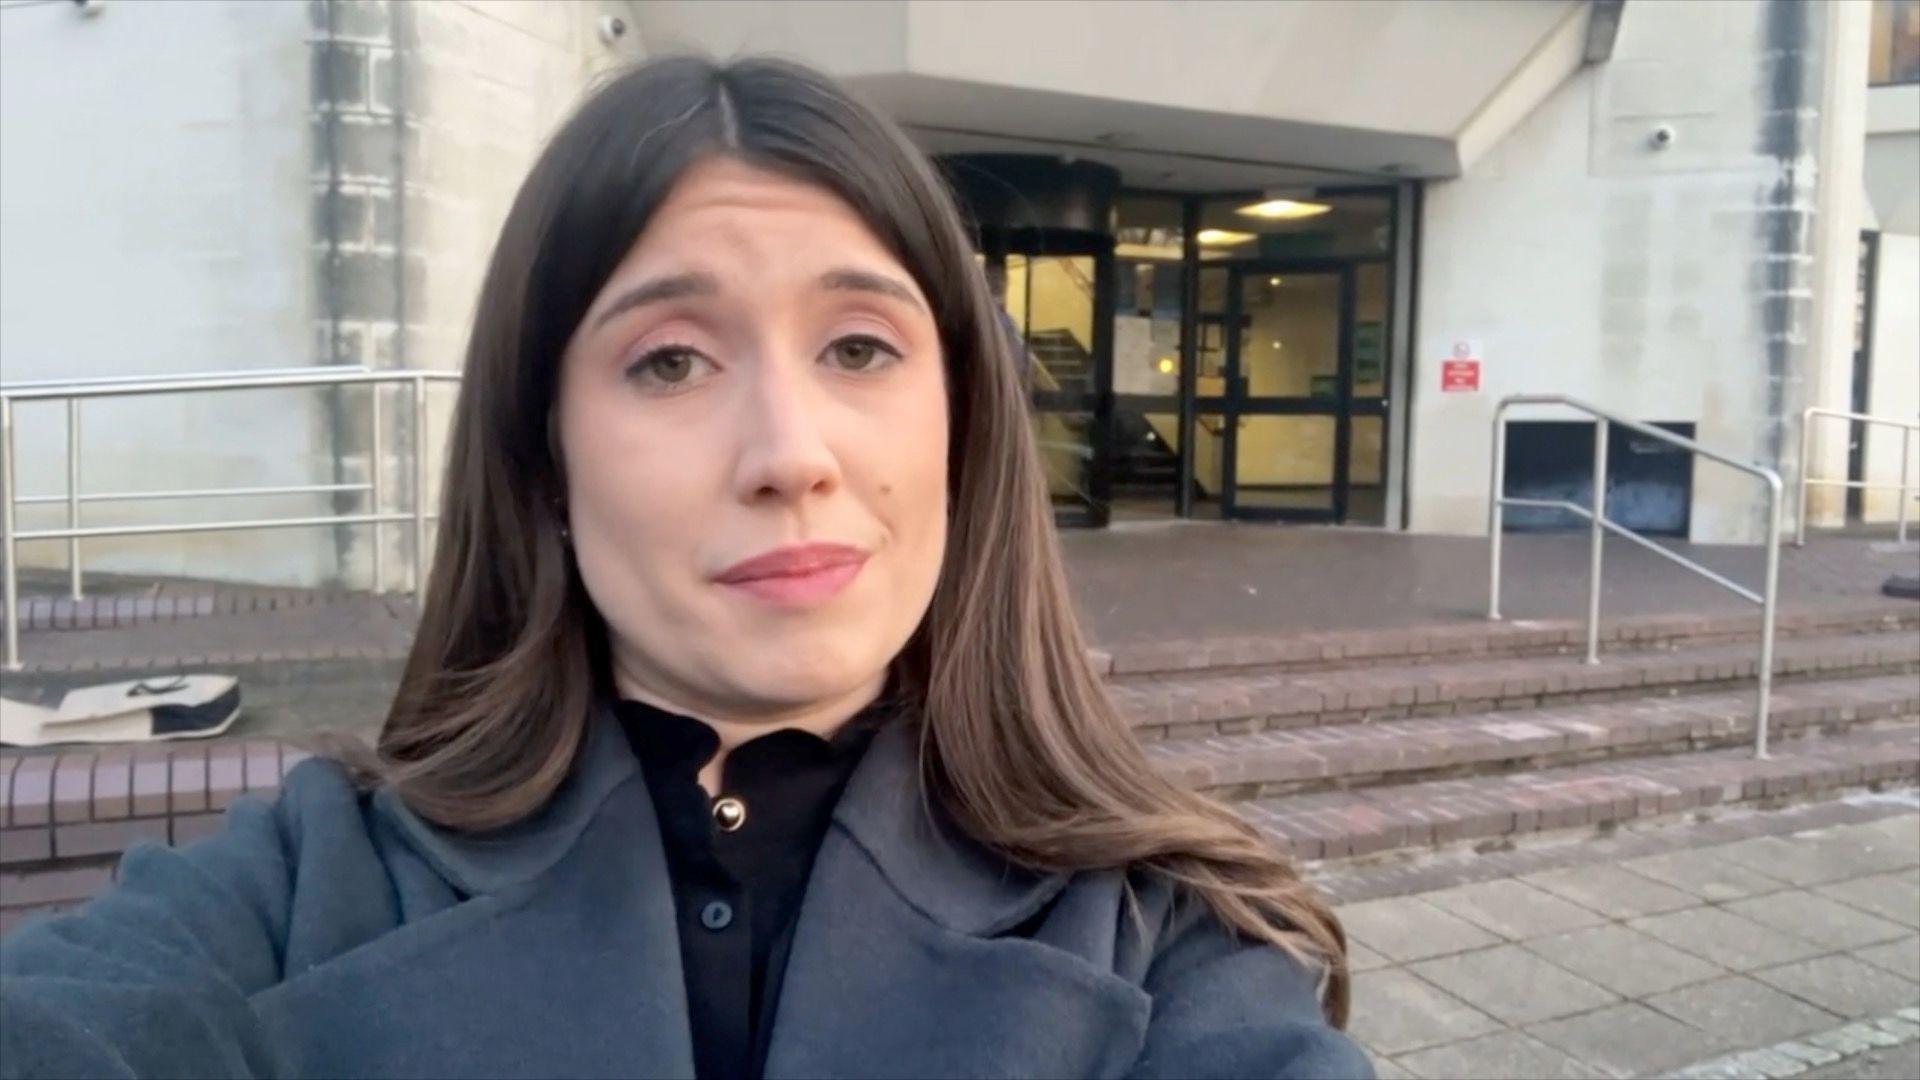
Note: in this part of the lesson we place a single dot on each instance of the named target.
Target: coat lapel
(899, 967)
(564, 961)
(562, 955)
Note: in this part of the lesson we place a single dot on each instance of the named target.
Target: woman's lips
(796, 576)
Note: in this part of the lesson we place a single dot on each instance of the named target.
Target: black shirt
(739, 862)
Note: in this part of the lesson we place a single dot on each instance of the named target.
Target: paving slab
(1513, 909)
(1624, 960)
(1895, 1063)
(1630, 1040)
(1361, 958)
(1817, 918)
(1900, 957)
(1504, 1054)
(1408, 928)
(1808, 859)
(1611, 891)
(1843, 984)
(1729, 940)
(1513, 984)
(1745, 1012)
(1903, 832)
(1704, 876)
(1395, 1013)
(1893, 896)
(1386, 1069)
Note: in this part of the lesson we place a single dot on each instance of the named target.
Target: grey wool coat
(334, 933)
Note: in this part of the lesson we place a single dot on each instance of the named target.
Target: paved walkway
(1191, 579)
(1773, 956)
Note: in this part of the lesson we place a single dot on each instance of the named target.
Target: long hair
(1020, 745)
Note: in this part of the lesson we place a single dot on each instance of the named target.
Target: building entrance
(1224, 355)
(1301, 397)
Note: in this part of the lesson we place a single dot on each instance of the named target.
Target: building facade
(1275, 262)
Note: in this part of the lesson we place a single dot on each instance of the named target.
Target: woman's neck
(742, 722)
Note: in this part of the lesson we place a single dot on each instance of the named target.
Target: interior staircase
(1064, 358)
(1350, 744)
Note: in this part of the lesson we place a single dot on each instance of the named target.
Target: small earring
(560, 512)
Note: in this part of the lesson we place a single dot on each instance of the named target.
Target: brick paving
(1612, 969)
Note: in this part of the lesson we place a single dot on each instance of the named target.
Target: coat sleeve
(152, 976)
(1227, 1007)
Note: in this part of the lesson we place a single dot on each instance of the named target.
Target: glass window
(1304, 225)
(1290, 340)
(1148, 279)
(1894, 52)
(1058, 318)
(1285, 463)
(1366, 475)
(1371, 288)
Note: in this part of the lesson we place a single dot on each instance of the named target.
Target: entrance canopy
(1182, 96)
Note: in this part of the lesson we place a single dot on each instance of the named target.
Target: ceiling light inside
(1284, 209)
(1223, 237)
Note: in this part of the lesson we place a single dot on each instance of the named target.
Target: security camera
(1662, 137)
(612, 28)
(90, 8)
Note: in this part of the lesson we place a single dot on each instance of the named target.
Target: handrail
(74, 391)
(1907, 428)
(196, 376)
(1596, 515)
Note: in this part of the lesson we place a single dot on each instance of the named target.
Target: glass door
(1053, 289)
(1287, 407)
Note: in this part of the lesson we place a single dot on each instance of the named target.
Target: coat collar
(932, 866)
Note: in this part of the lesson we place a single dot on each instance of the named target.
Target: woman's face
(753, 419)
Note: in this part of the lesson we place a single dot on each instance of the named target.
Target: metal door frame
(1237, 403)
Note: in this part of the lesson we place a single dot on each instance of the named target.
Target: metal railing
(1907, 428)
(73, 392)
(1601, 525)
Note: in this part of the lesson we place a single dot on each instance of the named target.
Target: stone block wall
(426, 117)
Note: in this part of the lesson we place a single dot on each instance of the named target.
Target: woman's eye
(667, 367)
(861, 353)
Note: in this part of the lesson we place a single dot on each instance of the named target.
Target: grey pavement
(1193, 580)
(1761, 956)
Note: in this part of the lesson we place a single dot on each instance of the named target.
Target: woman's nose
(785, 452)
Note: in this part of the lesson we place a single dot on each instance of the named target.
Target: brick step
(1481, 639)
(1270, 763)
(105, 612)
(1208, 704)
(1340, 824)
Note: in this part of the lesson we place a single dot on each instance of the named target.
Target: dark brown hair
(1020, 744)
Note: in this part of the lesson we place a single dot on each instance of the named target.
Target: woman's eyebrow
(672, 287)
(868, 281)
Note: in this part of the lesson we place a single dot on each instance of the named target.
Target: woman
(748, 730)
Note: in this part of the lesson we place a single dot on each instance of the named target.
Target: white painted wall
(1575, 258)
(1893, 157)
(154, 205)
(1895, 387)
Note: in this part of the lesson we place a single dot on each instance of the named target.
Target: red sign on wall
(1460, 376)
